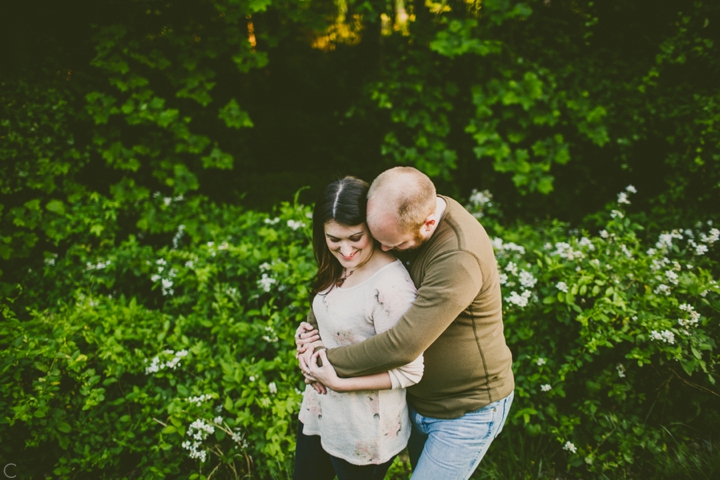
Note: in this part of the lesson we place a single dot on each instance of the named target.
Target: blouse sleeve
(393, 295)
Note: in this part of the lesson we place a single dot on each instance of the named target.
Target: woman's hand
(324, 374)
(305, 335)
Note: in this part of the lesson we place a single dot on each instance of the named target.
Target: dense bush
(154, 362)
(142, 361)
(614, 338)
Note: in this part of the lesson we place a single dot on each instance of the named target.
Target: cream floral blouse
(366, 427)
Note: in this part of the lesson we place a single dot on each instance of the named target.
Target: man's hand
(322, 371)
(304, 363)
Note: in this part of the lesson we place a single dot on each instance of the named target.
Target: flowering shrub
(193, 375)
(614, 336)
(170, 353)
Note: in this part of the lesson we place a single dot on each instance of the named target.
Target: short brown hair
(409, 191)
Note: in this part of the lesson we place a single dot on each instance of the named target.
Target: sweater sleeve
(311, 319)
(450, 284)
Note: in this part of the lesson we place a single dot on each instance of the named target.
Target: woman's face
(352, 246)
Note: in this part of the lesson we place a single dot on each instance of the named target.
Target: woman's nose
(346, 250)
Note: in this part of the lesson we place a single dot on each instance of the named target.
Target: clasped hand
(316, 368)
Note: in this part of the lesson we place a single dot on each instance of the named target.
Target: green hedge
(172, 355)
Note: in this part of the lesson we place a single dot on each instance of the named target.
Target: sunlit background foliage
(154, 250)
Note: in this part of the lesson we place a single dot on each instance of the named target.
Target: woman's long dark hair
(344, 201)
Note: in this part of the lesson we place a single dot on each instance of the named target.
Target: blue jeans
(451, 449)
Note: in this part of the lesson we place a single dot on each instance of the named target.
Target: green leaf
(64, 427)
(56, 206)
(234, 117)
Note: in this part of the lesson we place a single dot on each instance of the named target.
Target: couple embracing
(404, 344)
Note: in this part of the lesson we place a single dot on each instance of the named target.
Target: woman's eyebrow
(351, 235)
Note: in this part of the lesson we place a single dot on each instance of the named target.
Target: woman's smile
(348, 258)
(351, 245)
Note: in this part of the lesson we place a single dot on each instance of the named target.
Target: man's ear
(429, 224)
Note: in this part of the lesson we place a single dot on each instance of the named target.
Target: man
(463, 399)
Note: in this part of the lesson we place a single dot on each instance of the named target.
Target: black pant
(314, 463)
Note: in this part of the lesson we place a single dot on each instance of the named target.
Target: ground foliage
(140, 361)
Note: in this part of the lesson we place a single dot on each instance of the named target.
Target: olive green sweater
(456, 321)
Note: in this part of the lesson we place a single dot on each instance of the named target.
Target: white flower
(266, 282)
(630, 189)
(167, 201)
(527, 280)
(545, 388)
(503, 279)
(665, 239)
(198, 401)
(662, 288)
(156, 365)
(540, 362)
(295, 224)
(701, 249)
(521, 300)
(272, 387)
(665, 336)
(621, 370)
(481, 199)
(658, 263)
(178, 236)
(218, 420)
(564, 250)
(672, 277)
(714, 236)
(569, 446)
(616, 214)
(623, 198)
(251, 378)
(167, 286)
(273, 221)
(198, 430)
(694, 316)
(586, 242)
(512, 268)
(562, 286)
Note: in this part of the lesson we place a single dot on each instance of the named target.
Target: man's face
(392, 237)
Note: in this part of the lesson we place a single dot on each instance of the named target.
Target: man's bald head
(402, 197)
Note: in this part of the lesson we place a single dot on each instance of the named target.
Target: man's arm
(451, 283)
(311, 319)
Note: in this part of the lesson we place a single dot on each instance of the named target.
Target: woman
(357, 427)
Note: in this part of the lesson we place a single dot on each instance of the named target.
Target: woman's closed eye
(354, 238)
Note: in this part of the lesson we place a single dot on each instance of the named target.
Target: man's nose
(385, 248)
